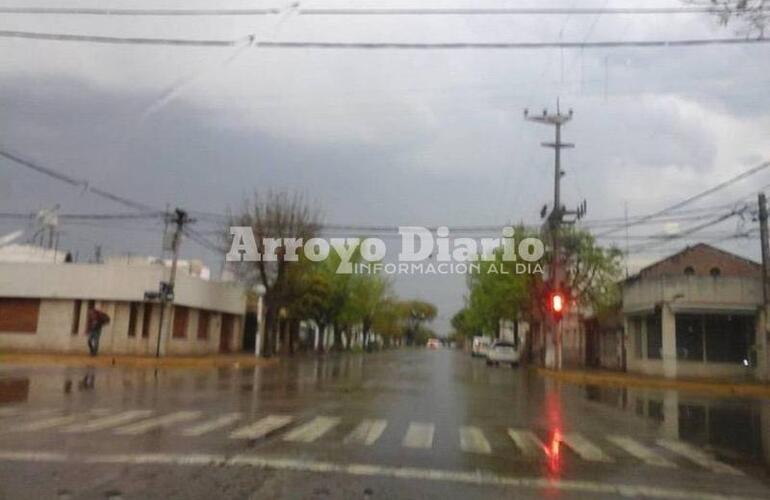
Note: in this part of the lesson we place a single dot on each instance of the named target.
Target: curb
(202, 362)
(626, 380)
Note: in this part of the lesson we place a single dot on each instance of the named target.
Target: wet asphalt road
(398, 424)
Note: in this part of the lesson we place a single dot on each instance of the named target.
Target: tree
(593, 272)
(390, 320)
(367, 296)
(496, 292)
(753, 15)
(275, 215)
(415, 313)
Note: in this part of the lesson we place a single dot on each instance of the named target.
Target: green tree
(415, 314)
(593, 272)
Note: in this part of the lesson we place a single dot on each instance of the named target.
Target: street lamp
(259, 291)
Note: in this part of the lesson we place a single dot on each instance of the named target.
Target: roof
(32, 253)
(701, 257)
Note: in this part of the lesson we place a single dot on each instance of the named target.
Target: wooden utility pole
(761, 343)
(179, 218)
(555, 218)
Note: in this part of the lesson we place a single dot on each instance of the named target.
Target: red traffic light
(557, 302)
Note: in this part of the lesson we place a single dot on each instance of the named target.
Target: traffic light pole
(554, 359)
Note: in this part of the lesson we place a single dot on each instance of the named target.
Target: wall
(54, 332)
(702, 258)
(115, 282)
(681, 294)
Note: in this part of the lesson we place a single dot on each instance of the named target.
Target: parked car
(480, 346)
(503, 352)
(433, 344)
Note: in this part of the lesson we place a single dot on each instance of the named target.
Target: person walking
(95, 321)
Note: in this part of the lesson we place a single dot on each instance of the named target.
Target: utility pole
(762, 351)
(555, 218)
(166, 293)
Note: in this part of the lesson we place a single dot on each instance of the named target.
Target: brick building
(698, 313)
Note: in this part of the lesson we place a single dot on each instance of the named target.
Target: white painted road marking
(367, 432)
(583, 447)
(639, 451)
(698, 457)
(157, 423)
(212, 425)
(472, 440)
(107, 422)
(262, 427)
(536, 484)
(312, 430)
(51, 422)
(419, 435)
(527, 442)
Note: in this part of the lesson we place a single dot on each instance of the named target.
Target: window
(636, 331)
(654, 337)
(728, 338)
(689, 337)
(203, 324)
(133, 311)
(180, 322)
(689, 271)
(720, 338)
(19, 315)
(715, 272)
(226, 334)
(77, 305)
(146, 318)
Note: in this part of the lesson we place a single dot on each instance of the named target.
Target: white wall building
(43, 307)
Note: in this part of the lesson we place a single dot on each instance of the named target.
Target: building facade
(698, 313)
(43, 307)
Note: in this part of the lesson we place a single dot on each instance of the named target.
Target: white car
(503, 352)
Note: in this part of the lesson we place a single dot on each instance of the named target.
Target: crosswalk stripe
(472, 440)
(583, 447)
(419, 435)
(312, 430)
(639, 451)
(698, 457)
(527, 442)
(51, 422)
(107, 422)
(157, 422)
(367, 432)
(212, 425)
(262, 427)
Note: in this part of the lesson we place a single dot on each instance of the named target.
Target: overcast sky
(380, 137)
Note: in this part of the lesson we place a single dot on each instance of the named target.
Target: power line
(687, 231)
(509, 11)
(72, 181)
(692, 199)
(64, 37)
(218, 43)
(76, 217)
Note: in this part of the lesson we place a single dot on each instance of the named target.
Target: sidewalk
(240, 360)
(622, 379)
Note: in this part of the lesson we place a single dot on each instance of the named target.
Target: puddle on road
(737, 430)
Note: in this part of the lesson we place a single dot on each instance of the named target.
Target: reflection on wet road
(391, 418)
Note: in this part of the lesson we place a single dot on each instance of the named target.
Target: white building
(43, 307)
